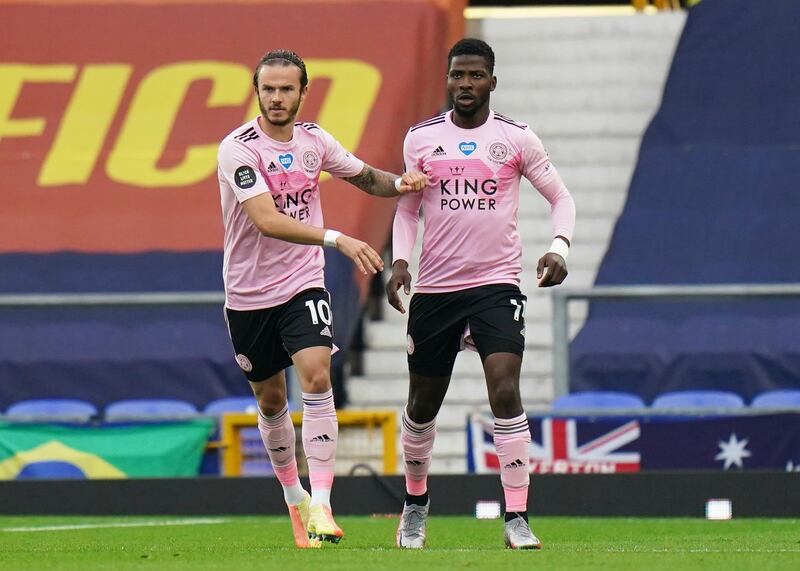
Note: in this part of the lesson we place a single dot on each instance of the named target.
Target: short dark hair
(282, 57)
(472, 47)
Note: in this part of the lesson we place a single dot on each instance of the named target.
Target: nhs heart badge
(467, 147)
(286, 160)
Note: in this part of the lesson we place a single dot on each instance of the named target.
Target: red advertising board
(110, 114)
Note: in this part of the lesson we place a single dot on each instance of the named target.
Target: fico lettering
(147, 123)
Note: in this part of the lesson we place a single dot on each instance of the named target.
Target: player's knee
(505, 399)
(271, 403)
(318, 381)
(421, 410)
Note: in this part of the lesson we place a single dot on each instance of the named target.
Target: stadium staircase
(588, 86)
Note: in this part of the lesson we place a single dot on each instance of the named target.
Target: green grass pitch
(245, 543)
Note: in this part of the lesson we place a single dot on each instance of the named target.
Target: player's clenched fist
(400, 277)
(412, 182)
(551, 270)
(364, 257)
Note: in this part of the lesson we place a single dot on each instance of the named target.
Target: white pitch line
(119, 524)
(609, 550)
(690, 550)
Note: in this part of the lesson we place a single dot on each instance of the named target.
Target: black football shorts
(436, 323)
(265, 339)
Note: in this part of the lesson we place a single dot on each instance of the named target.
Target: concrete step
(636, 75)
(659, 29)
(590, 203)
(586, 261)
(588, 248)
(591, 123)
(594, 209)
(584, 255)
(590, 231)
(568, 50)
(580, 151)
(543, 99)
(586, 176)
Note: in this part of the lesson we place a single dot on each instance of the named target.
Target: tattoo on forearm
(374, 181)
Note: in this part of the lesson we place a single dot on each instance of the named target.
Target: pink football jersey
(470, 236)
(258, 271)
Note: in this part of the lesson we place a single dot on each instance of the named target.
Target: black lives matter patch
(245, 177)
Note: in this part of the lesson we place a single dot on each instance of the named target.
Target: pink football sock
(417, 440)
(512, 438)
(320, 434)
(277, 432)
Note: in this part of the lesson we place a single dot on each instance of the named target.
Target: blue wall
(105, 354)
(714, 199)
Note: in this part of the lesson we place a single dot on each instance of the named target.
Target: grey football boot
(411, 531)
(518, 535)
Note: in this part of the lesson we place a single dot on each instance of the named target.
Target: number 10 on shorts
(320, 311)
(519, 305)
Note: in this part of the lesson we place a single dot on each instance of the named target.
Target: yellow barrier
(232, 424)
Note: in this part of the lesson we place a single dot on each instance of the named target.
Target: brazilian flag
(159, 450)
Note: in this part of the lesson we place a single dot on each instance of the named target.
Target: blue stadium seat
(149, 409)
(597, 400)
(698, 400)
(230, 404)
(777, 399)
(52, 410)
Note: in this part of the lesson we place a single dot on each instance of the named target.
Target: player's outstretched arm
(552, 267)
(381, 183)
(273, 223)
(400, 277)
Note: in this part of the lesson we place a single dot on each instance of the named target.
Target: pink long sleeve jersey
(470, 235)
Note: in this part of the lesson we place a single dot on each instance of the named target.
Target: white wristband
(330, 238)
(559, 247)
(397, 182)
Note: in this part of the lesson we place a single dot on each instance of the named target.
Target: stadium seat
(698, 400)
(230, 404)
(52, 410)
(149, 409)
(777, 399)
(597, 400)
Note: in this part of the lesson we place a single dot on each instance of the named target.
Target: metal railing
(562, 297)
